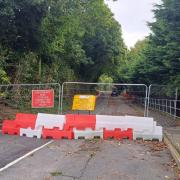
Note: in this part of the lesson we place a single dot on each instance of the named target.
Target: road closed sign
(43, 98)
(84, 102)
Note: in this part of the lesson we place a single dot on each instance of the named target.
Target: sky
(133, 16)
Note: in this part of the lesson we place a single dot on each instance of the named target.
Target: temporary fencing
(31, 98)
(111, 98)
(163, 104)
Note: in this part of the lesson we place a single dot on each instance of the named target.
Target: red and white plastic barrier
(73, 126)
(48, 121)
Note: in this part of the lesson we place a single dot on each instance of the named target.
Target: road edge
(173, 150)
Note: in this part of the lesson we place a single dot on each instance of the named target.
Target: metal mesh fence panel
(111, 99)
(17, 98)
(163, 105)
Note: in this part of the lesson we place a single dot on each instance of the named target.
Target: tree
(57, 40)
(165, 41)
(105, 79)
(103, 42)
(156, 60)
(4, 79)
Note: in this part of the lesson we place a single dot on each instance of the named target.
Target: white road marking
(25, 156)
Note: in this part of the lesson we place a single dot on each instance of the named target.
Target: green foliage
(19, 23)
(57, 40)
(105, 79)
(156, 60)
(165, 42)
(102, 42)
(3, 77)
(137, 67)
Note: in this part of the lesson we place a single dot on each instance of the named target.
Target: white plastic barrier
(50, 121)
(157, 133)
(124, 122)
(31, 132)
(138, 119)
(87, 133)
(108, 122)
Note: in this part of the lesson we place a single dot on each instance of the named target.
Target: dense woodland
(67, 40)
(156, 60)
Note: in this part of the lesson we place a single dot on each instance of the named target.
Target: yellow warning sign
(84, 102)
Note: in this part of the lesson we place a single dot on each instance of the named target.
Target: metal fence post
(62, 96)
(149, 92)
(175, 103)
(164, 102)
(59, 103)
(170, 106)
(145, 112)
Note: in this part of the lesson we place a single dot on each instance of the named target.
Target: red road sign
(43, 98)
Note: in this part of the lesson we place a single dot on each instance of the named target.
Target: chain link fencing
(18, 98)
(111, 99)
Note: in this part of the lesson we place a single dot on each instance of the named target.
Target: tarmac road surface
(95, 160)
(13, 147)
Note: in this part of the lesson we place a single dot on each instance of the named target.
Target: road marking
(25, 156)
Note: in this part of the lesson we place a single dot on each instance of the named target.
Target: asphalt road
(118, 106)
(95, 160)
(13, 147)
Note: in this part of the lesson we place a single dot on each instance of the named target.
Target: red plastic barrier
(80, 122)
(118, 134)
(55, 133)
(26, 120)
(115, 134)
(12, 127)
(128, 134)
